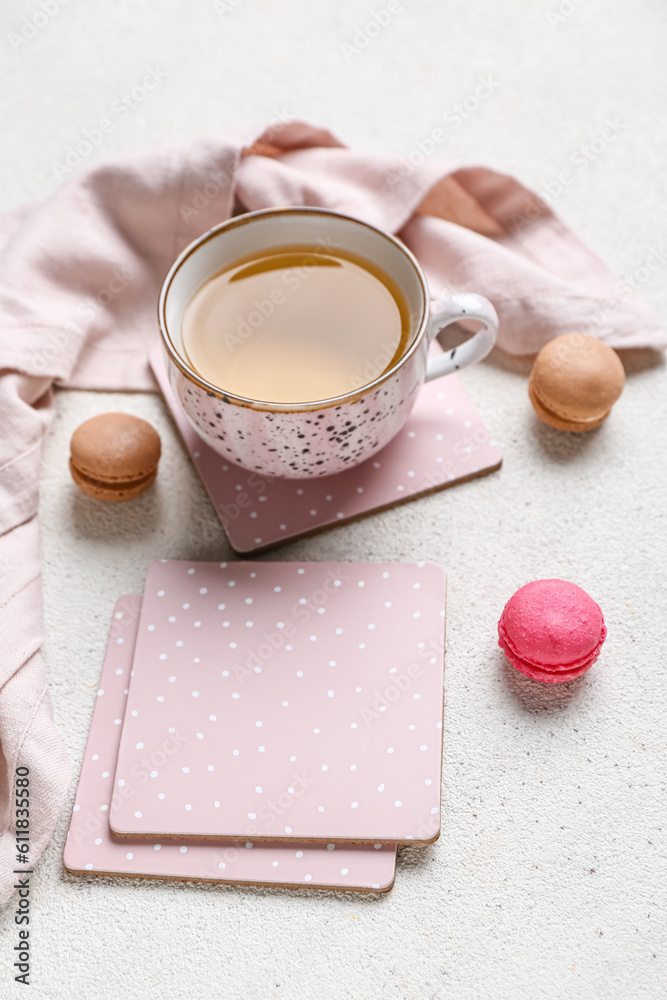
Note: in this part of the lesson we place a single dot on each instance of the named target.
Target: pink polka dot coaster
(91, 850)
(291, 701)
(443, 443)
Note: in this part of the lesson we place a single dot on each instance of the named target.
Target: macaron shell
(115, 447)
(512, 651)
(552, 623)
(558, 422)
(551, 630)
(546, 676)
(114, 493)
(576, 379)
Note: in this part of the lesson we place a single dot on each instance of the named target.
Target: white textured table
(549, 879)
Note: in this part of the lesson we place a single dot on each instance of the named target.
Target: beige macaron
(114, 456)
(575, 381)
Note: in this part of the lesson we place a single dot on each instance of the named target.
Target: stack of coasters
(91, 849)
(443, 443)
(267, 723)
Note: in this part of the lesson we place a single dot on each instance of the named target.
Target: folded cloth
(80, 274)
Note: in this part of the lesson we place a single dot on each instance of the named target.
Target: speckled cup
(319, 438)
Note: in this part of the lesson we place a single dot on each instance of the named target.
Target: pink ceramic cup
(324, 437)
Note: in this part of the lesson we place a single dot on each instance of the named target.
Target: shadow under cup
(295, 440)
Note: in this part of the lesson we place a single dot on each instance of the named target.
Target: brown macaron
(575, 381)
(114, 456)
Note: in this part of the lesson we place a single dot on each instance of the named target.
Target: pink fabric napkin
(79, 279)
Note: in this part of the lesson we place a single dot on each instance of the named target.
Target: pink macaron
(551, 630)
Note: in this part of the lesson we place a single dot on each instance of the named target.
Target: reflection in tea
(296, 324)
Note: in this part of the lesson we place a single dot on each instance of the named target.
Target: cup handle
(465, 305)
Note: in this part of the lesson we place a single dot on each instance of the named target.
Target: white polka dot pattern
(443, 442)
(90, 848)
(301, 753)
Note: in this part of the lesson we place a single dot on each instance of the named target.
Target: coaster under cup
(91, 850)
(443, 443)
